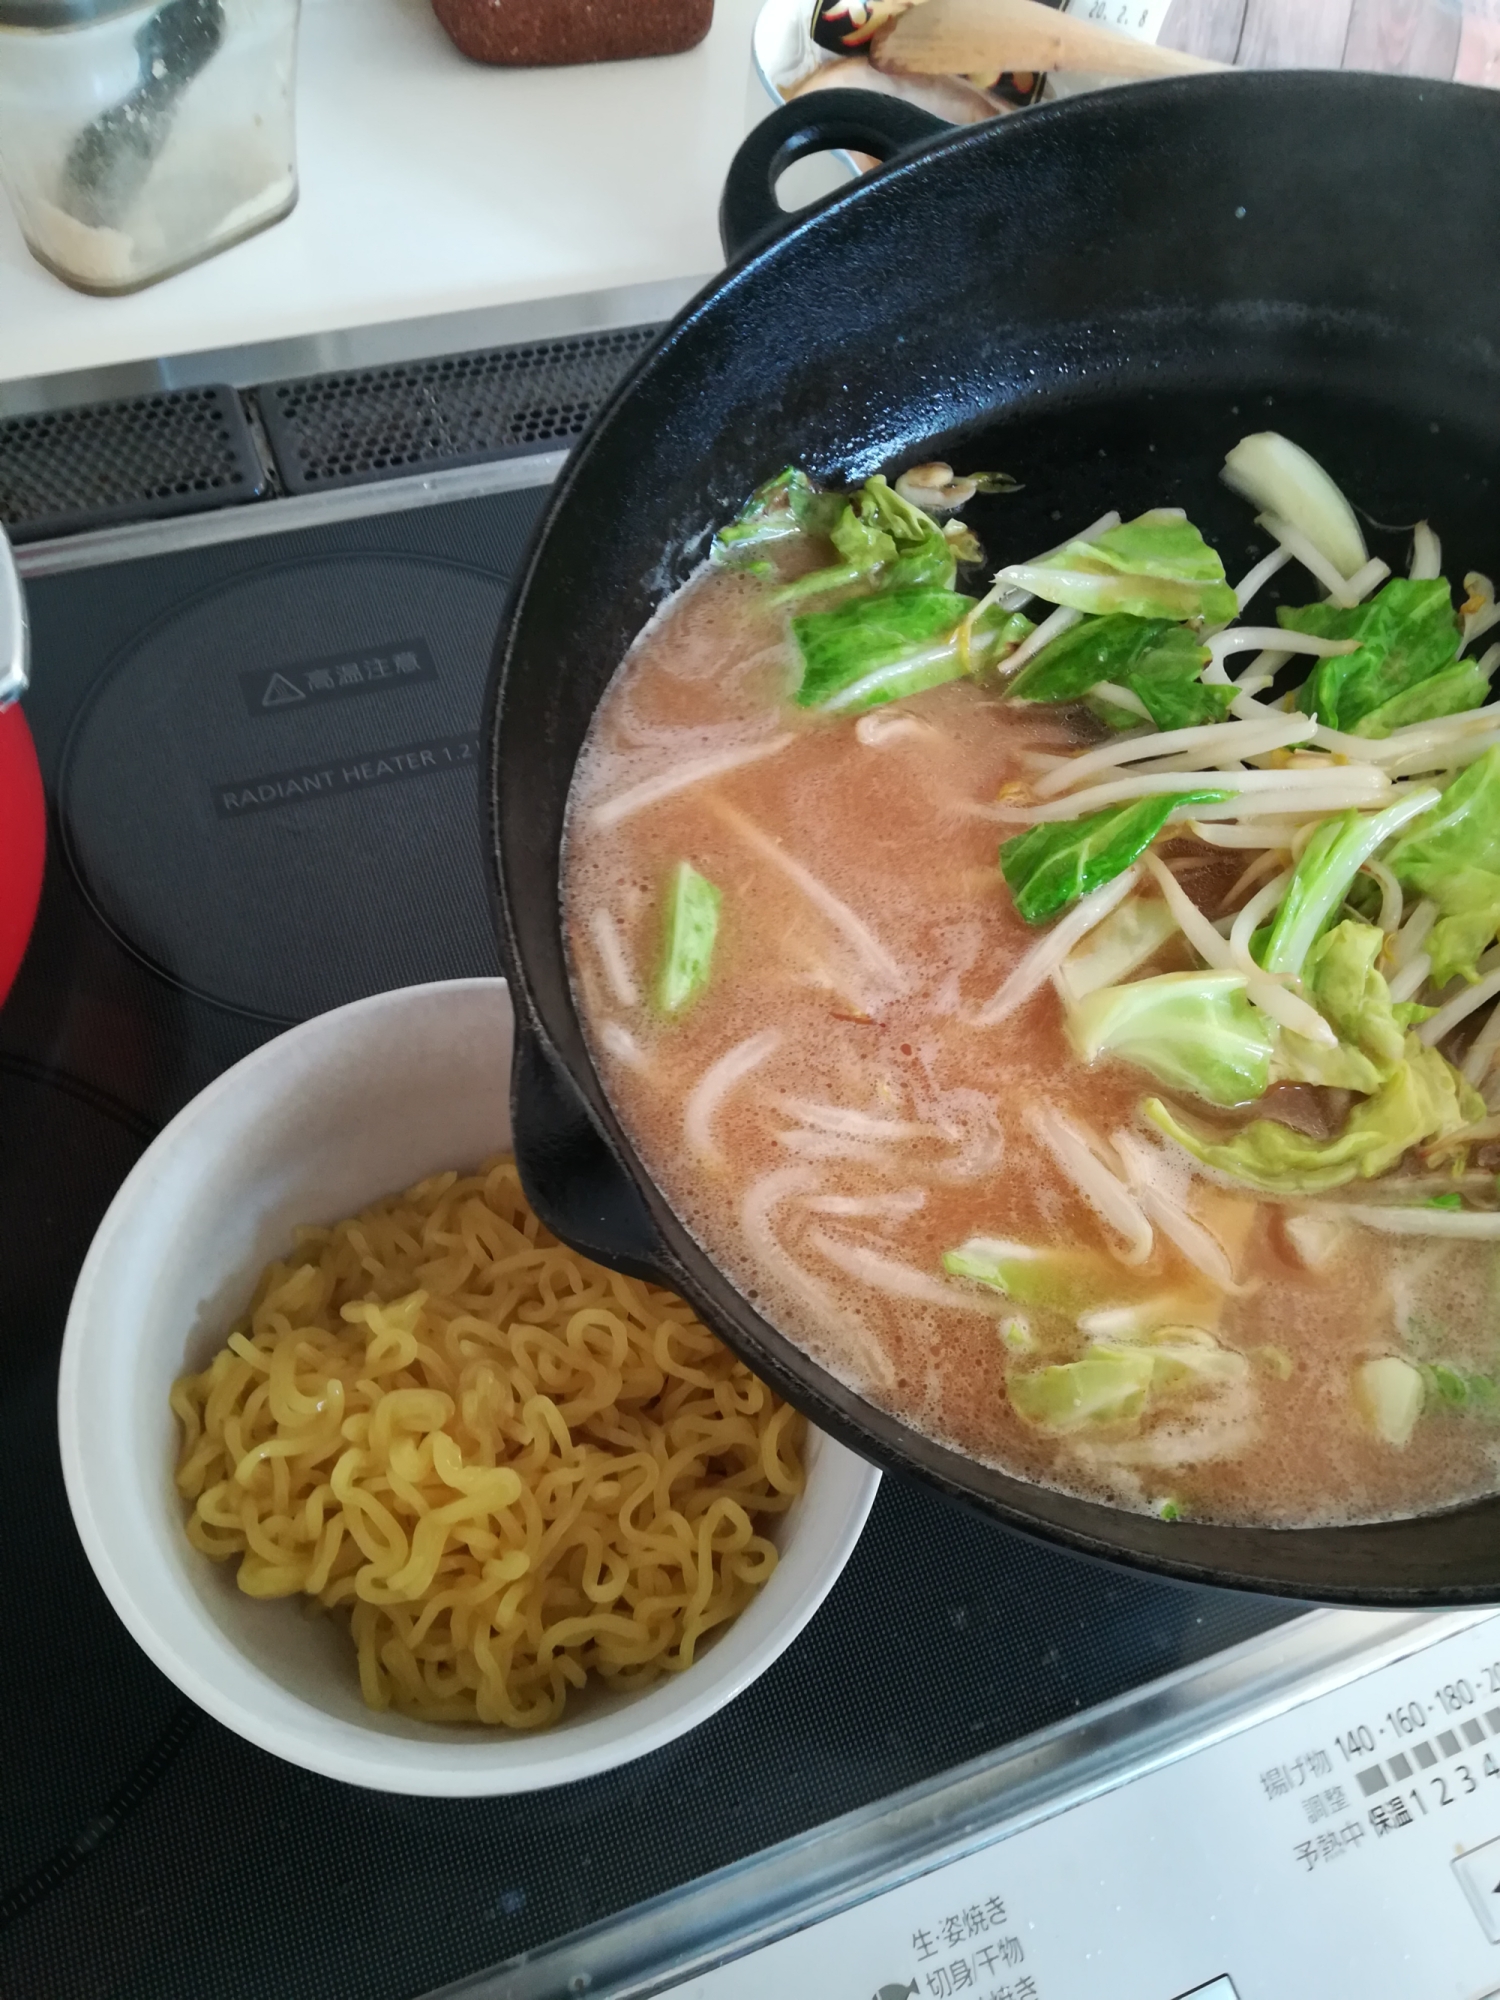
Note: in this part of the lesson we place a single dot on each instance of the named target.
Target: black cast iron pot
(1098, 297)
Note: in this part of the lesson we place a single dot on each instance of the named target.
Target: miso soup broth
(1061, 1023)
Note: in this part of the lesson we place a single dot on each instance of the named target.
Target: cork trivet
(533, 32)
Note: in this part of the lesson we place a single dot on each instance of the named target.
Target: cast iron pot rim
(866, 1428)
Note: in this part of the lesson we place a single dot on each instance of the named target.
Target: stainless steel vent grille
(382, 423)
(180, 452)
(185, 451)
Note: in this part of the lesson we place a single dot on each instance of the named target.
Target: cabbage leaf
(894, 643)
(1461, 831)
(1105, 1386)
(1115, 1384)
(1452, 855)
(1272, 472)
(1457, 941)
(886, 541)
(1053, 864)
(1193, 1031)
(1342, 981)
(1407, 667)
(784, 506)
(1157, 566)
(1423, 1099)
(1158, 661)
(1066, 1279)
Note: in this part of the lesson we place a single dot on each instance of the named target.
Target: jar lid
(43, 15)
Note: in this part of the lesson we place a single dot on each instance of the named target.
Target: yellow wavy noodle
(512, 1467)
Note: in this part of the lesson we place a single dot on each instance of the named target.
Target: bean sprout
(612, 957)
(1410, 980)
(1039, 964)
(1483, 1224)
(1426, 554)
(716, 1083)
(1477, 1063)
(1351, 785)
(1392, 896)
(853, 928)
(1413, 934)
(1312, 560)
(1236, 739)
(696, 772)
(1076, 1151)
(887, 1274)
(1254, 581)
(1248, 921)
(1446, 1019)
(1268, 994)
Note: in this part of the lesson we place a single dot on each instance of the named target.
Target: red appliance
(23, 812)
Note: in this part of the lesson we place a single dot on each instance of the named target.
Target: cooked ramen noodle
(513, 1468)
(1068, 1003)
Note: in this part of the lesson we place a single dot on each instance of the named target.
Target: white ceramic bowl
(312, 1127)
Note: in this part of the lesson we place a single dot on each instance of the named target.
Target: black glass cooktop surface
(261, 765)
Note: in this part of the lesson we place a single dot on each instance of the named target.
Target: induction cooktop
(260, 752)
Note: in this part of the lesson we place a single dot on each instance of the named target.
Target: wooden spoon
(985, 37)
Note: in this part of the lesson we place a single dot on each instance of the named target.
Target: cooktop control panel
(1348, 1845)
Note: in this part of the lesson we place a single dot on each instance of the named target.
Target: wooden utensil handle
(983, 37)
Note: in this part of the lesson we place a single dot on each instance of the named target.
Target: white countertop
(431, 185)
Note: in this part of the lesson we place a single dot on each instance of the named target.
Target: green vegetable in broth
(1330, 862)
(1194, 1031)
(1463, 686)
(1115, 1384)
(692, 928)
(1425, 1098)
(1406, 670)
(880, 530)
(1470, 897)
(1107, 1386)
(1173, 700)
(895, 643)
(1157, 661)
(1461, 830)
(885, 541)
(1343, 982)
(1188, 1359)
(1059, 861)
(1157, 566)
(785, 506)
(1066, 1280)
(1462, 1389)
(1452, 855)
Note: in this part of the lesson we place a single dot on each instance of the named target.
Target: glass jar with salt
(139, 136)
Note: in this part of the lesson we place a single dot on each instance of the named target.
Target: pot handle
(865, 120)
(569, 1173)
